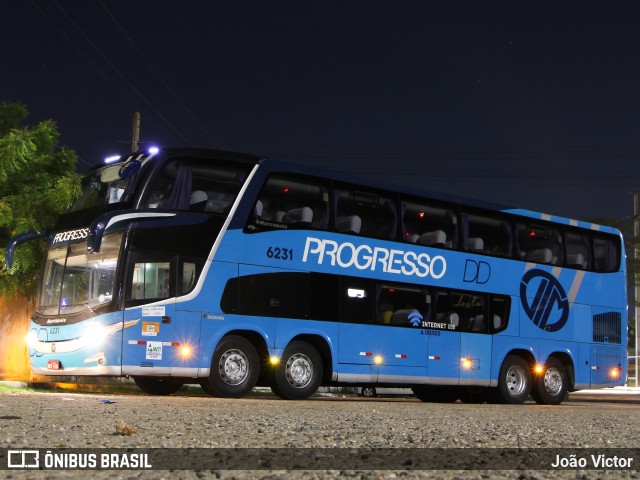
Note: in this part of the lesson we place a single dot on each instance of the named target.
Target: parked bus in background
(229, 270)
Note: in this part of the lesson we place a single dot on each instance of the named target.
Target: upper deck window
(370, 213)
(484, 234)
(196, 184)
(539, 244)
(606, 254)
(289, 201)
(428, 224)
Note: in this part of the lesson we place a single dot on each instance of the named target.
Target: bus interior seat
(436, 238)
(401, 317)
(475, 244)
(451, 318)
(576, 260)
(349, 224)
(413, 238)
(385, 316)
(280, 215)
(219, 202)
(302, 216)
(542, 255)
(259, 208)
(198, 200)
(497, 321)
(477, 324)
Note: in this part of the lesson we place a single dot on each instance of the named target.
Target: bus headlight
(31, 338)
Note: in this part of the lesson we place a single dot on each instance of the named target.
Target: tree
(37, 182)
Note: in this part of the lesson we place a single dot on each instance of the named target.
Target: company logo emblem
(23, 459)
(415, 318)
(549, 307)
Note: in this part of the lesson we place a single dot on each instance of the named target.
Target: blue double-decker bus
(230, 270)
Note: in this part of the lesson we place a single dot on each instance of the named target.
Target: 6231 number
(280, 253)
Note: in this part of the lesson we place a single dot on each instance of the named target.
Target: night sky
(534, 104)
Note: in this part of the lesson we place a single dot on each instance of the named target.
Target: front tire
(299, 372)
(234, 369)
(157, 385)
(514, 382)
(550, 387)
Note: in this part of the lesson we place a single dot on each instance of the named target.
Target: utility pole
(135, 132)
(636, 256)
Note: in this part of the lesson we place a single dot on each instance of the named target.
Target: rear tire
(550, 387)
(514, 381)
(158, 385)
(234, 369)
(369, 392)
(299, 372)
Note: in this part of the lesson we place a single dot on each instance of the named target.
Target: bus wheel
(514, 382)
(299, 372)
(369, 392)
(157, 385)
(234, 368)
(550, 387)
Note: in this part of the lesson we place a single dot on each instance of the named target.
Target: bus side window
(483, 234)
(369, 213)
(356, 300)
(499, 308)
(402, 305)
(429, 225)
(149, 279)
(462, 311)
(539, 244)
(288, 201)
(578, 251)
(606, 254)
(324, 296)
(189, 272)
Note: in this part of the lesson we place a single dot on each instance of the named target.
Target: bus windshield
(102, 187)
(75, 280)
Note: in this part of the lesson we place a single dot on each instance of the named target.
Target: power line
(164, 83)
(119, 73)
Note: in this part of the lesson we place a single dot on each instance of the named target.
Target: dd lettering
(478, 272)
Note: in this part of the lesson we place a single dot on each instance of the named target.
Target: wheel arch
(525, 354)
(260, 344)
(322, 347)
(567, 362)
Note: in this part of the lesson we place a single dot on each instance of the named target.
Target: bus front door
(154, 333)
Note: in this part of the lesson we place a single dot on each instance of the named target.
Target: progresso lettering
(70, 235)
(364, 257)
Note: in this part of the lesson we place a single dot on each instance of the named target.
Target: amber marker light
(185, 351)
(274, 360)
(538, 369)
(615, 372)
(467, 363)
(377, 359)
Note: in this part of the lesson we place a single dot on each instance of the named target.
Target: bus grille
(606, 327)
